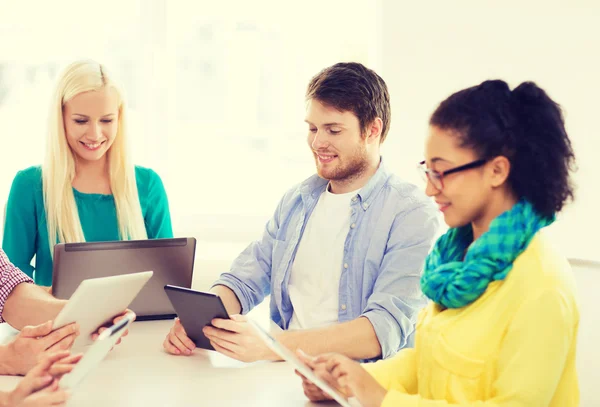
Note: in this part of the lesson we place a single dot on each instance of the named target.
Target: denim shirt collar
(313, 187)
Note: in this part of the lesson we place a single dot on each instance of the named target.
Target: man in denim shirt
(343, 253)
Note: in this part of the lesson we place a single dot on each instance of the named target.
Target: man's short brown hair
(350, 86)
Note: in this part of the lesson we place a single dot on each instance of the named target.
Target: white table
(139, 373)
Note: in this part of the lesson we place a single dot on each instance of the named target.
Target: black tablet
(196, 310)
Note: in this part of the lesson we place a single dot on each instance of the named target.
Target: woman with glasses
(501, 326)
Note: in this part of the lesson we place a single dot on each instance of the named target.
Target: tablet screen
(196, 309)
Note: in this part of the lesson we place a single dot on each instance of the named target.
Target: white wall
(216, 93)
(432, 49)
(587, 277)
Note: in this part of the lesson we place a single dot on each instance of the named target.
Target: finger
(39, 383)
(121, 338)
(221, 334)
(72, 359)
(224, 351)
(37, 331)
(31, 384)
(331, 364)
(125, 333)
(63, 344)
(133, 314)
(300, 375)
(326, 376)
(59, 369)
(52, 387)
(185, 340)
(48, 360)
(324, 358)
(96, 334)
(176, 340)
(315, 394)
(60, 334)
(306, 358)
(239, 318)
(338, 372)
(230, 346)
(343, 384)
(228, 325)
(122, 315)
(311, 387)
(168, 346)
(55, 397)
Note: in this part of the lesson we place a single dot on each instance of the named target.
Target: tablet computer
(96, 353)
(196, 309)
(290, 357)
(97, 300)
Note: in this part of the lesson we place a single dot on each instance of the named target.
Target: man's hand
(235, 338)
(177, 342)
(115, 320)
(35, 342)
(40, 386)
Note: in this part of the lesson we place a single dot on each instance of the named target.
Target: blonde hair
(58, 170)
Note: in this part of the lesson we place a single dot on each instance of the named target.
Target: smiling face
(91, 123)
(336, 141)
(465, 194)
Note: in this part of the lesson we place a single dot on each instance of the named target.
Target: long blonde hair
(58, 170)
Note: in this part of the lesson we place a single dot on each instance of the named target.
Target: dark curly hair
(350, 86)
(524, 125)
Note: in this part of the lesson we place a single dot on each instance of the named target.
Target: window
(216, 94)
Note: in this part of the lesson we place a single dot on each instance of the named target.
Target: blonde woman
(87, 189)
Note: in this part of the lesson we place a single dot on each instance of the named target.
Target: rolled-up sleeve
(10, 277)
(397, 299)
(250, 274)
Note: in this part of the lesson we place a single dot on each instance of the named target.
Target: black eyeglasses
(437, 178)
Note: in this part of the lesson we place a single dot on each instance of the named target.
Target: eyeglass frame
(428, 171)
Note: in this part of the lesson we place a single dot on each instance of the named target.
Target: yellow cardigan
(513, 347)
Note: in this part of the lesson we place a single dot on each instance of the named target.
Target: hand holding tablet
(97, 352)
(196, 310)
(96, 301)
(300, 366)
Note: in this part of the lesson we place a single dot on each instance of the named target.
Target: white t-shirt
(315, 275)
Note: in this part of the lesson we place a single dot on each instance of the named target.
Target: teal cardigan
(26, 233)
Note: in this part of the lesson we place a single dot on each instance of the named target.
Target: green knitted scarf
(453, 282)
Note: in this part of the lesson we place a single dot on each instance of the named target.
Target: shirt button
(353, 199)
(353, 225)
(343, 307)
(366, 205)
(345, 265)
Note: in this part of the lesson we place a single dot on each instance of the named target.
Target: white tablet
(97, 300)
(306, 371)
(96, 353)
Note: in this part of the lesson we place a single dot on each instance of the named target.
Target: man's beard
(353, 167)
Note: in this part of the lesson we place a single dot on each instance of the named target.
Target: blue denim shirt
(392, 228)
